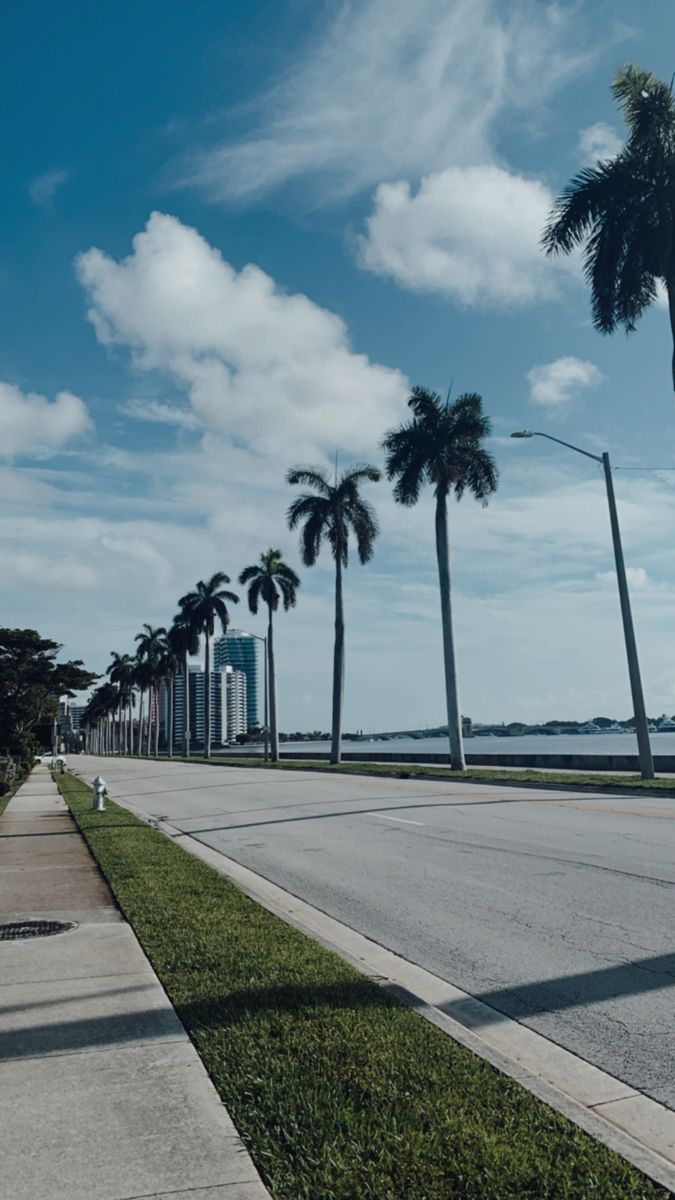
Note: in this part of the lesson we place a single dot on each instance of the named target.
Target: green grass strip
(560, 779)
(339, 1091)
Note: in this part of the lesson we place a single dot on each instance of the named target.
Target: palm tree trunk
(186, 706)
(338, 666)
(451, 689)
(120, 718)
(670, 288)
(156, 722)
(207, 696)
(272, 686)
(148, 731)
(170, 718)
(140, 724)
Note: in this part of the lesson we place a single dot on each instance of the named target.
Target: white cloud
(599, 142)
(391, 88)
(637, 577)
(157, 412)
(43, 189)
(272, 370)
(470, 233)
(31, 424)
(556, 385)
(50, 569)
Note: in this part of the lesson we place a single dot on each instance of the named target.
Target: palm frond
(310, 476)
(303, 507)
(288, 590)
(248, 574)
(254, 591)
(310, 537)
(366, 527)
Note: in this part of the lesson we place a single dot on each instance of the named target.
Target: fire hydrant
(99, 794)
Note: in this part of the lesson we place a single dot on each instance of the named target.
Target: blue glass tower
(240, 650)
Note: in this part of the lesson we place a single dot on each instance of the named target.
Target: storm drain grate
(28, 929)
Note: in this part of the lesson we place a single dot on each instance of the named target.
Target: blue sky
(233, 237)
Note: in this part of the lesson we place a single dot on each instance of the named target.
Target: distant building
(239, 650)
(70, 715)
(228, 706)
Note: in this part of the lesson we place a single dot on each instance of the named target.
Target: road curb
(633, 1125)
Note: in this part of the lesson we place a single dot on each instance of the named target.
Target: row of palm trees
(442, 445)
(162, 654)
(622, 212)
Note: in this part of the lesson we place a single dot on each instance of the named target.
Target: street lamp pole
(641, 727)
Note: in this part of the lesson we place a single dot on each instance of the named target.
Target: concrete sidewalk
(102, 1094)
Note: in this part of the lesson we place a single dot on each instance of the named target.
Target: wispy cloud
(43, 189)
(392, 88)
(159, 413)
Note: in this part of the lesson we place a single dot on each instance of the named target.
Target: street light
(641, 728)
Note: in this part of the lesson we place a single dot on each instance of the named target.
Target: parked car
(49, 758)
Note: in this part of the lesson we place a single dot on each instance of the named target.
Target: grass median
(339, 1091)
(570, 780)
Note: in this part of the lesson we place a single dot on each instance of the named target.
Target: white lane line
(384, 817)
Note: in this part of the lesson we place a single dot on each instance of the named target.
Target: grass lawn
(340, 1092)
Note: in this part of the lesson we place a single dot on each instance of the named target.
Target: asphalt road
(554, 908)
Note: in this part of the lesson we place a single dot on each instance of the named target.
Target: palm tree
(270, 581)
(149, 652)
(171, 663)
(328, 513)
(624, 210)
(204, 607)
(183, 637)
(442, 445)
(97, 716)
(121, 672)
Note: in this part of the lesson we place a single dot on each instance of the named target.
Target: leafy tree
(443, 446)
(31, 681)
(204, 607)
(624, 210)
(329, 512)
(270, 581)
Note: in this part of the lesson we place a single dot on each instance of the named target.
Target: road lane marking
(384, 817)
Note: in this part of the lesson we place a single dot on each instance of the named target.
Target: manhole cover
(26, 929)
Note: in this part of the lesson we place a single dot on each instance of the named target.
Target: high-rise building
(228, 706)
(239, 650)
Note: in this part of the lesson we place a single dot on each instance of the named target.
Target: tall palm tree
(121, 672)
(183, 637)
(205, 607)
(443, 446)
(270, 581)
(328, 513)
(149, 653)
(170, 665)
(624, 210)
